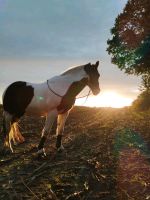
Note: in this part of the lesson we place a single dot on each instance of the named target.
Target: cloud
(72, 29)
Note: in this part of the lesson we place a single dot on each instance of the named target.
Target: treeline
(129, 46)
(142, 103)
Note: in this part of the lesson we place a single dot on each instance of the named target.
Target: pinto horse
(53, 99)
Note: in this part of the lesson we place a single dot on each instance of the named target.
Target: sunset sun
(106, 99)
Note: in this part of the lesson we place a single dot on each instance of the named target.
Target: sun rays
(106, 99)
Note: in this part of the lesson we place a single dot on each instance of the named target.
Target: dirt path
(87, 169)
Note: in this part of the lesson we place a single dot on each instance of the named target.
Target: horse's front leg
(60, 129)
(51, 117)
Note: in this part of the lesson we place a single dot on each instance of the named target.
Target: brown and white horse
(53, 99)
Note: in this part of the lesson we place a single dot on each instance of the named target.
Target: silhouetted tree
(145, 83)
(142, 103)
(130, 43)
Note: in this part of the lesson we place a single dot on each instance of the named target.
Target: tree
(145, 83)
(142, 103)
(130, 43)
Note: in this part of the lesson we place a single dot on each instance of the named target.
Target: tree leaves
(130, 43)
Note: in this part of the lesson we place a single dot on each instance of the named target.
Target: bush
(142, 103)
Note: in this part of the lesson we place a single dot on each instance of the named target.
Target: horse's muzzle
(96, 92)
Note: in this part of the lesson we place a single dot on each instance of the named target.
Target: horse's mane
(72, 70)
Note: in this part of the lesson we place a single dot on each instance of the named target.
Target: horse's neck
(69, 83)
(76, 87)
(77, 84)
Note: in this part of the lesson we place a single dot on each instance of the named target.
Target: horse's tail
(3, 129)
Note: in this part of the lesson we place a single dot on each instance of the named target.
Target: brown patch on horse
(68, 99)
(17, 97)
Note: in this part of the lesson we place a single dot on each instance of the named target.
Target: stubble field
(103, 158)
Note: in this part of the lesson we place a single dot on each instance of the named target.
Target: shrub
(142, 103)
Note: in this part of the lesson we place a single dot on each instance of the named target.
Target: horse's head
(93, 77)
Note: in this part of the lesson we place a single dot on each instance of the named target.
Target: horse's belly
(36, 111)
(39, 108)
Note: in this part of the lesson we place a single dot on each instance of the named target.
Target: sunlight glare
(106, 99)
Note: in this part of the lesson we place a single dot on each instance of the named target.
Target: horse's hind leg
(15, 134)
(7, 131)
(18, 138)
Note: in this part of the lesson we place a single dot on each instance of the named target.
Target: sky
(39, 39)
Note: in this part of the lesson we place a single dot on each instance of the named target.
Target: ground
(104, 159)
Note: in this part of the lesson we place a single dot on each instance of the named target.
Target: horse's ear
(97, 64)
(87, 68)
(89, 64)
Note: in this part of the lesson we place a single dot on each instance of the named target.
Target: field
(103, 159)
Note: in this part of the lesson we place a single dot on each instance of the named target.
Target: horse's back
(43, 100)
(17, 97)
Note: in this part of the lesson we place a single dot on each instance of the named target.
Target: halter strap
(53, 90)
(62, 96)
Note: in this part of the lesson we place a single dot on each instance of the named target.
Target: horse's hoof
(60, 149)
(22, 140)
(5, 151)
(41, 153)
(15, 143)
